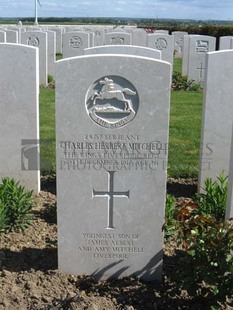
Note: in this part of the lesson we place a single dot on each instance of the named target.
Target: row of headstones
(99, 35)
(112, 120)
(73, 42)
(108, 145)
(76, 43)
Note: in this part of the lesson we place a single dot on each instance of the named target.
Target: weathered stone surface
(112, 131)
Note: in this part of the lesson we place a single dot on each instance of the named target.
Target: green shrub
(205, 269)
(180, 82)
(213, 200)
(50, 78)
(170, 223)
(58, 56)
(3, 218)
(15, 206)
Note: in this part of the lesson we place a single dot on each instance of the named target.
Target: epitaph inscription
(111, 246)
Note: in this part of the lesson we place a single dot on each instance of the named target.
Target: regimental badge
(112, 102)
(33, 41)
(75, 42)
(161, 44)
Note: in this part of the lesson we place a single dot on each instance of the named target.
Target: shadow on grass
(179, 189)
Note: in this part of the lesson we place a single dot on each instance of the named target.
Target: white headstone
(51, 52)
(225, 42)
(74, 43)
(99, 37)
(91, 39)
(19, 119)
(124, 49)
(18, 29)
(118, 38)
(179, 43)
(2, 37)
(185, 57)
(139, 37)
(217, 116)
(162, 31)
(198, 47)
(38, 39)
(163, 43)
(12, 36)
(111, 164)
(58, 30)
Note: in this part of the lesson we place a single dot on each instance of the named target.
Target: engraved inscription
(33, 41)
(202, 46)
(117, 41)
(75, 42)
(112, 152)
(110, 245)
(161, 44)
(112, 102)
(111, 194)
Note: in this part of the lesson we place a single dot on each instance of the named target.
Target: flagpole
(36, 18)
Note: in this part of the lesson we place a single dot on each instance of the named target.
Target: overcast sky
(184, 9)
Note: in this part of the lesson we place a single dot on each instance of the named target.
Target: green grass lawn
(184, 136)
(177, 65)
(47, 130)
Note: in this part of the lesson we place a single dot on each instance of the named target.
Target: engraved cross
(201, 70)
(111, 194)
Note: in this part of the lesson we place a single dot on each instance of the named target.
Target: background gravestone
(179, 43)
(118, 38)
(58, 30)
(74, 43)
(198, 47)
(139, 37)
(2, 37)
(19, 120)
(185, 57)
(18, 29)
(111, 164)
(217, 116)
(12, 36)
(51, 53)
(124, 49)
(164, 43)
(225, 43)
(99, 36)
(38, 39)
